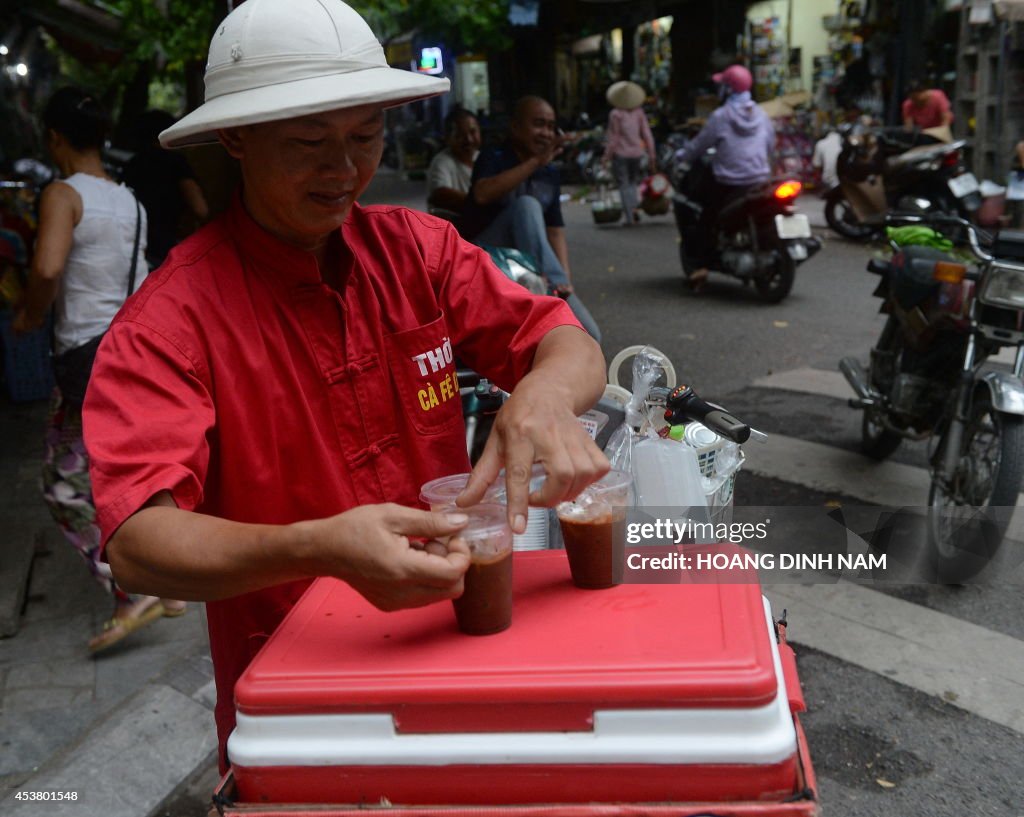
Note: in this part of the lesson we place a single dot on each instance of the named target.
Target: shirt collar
(285, 264)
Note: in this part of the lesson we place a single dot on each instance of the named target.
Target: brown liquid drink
(595, 553)
(486, 605)
(593, 530)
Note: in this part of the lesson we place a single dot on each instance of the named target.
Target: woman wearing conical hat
(629, 141)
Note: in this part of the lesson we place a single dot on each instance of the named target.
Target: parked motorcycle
(758, 237)
(927, 380)
(889, 169)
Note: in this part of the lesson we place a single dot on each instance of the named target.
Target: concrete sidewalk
(121, 730)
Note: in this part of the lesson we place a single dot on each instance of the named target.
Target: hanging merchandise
(768, 53)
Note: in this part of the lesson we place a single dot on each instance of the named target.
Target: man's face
(301, 176)
(533, 130)
(464, 138)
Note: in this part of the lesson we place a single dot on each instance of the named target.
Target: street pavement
(916, 704)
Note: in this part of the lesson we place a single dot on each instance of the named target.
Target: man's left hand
(536, 425)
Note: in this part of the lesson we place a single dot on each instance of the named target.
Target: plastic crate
(27, 367)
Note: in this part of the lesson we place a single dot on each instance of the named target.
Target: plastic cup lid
(537, 477)
(614, 480)
(444, 490)
(485, 519)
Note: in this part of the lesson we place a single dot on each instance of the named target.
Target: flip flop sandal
(697, 282)
(118, 628)
(173, 609)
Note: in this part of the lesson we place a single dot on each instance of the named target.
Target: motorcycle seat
(755, 193)
(922, 154)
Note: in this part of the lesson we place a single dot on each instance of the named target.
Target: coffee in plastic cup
(593, 530)
(485, 606)
(440, 494)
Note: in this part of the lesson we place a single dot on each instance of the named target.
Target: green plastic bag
(918, 236)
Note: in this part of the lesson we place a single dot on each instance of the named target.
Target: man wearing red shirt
(266, 408)
(926, 108)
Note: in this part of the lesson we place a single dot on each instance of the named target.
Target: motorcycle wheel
(776, 285)
(966, 525)
(841, 218)
(876, 441)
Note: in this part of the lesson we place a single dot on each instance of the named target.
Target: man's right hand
(551, 151)
(369, 547)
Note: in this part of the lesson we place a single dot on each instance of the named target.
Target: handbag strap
(135, 249)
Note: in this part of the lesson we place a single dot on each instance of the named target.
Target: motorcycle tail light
(788, 190)
(949, 273)
(1003, 285)
(951, 159)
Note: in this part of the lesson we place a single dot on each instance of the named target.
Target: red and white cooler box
(655, 699)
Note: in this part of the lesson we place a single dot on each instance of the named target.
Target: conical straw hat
(625, 94)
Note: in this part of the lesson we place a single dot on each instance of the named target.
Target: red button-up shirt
(240, 382)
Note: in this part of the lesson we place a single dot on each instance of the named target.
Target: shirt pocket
(422, 365)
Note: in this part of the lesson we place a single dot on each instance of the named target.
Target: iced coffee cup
(593, 530)
(440, 494)
(485, 606)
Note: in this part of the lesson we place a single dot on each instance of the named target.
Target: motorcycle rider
(744, 139)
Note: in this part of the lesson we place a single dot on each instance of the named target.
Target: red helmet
(736, 77)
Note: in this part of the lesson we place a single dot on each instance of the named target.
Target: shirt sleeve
(488, 163)
(147, 416)
(701, 142)
(499, 343)
(439, 174)
(612, 137)
(648, 137)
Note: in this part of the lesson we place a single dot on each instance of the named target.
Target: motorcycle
(758, 237)
(927, 380)
(890, 169)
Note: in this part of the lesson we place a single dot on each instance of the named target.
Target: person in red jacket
(265, 409)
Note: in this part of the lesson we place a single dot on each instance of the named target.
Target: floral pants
(68, 491)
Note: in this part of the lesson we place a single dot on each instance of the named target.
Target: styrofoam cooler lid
(567, 653)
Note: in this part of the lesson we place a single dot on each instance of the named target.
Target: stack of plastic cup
(535, 537)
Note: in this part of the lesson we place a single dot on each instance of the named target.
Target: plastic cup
(485, 606)
(440, 493)
(593, 530)
(537, 477)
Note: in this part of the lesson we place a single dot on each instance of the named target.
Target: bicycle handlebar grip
(684, 404)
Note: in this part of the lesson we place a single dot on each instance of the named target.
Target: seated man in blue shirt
(514, 200)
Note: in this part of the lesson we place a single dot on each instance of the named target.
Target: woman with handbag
(89, 256)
